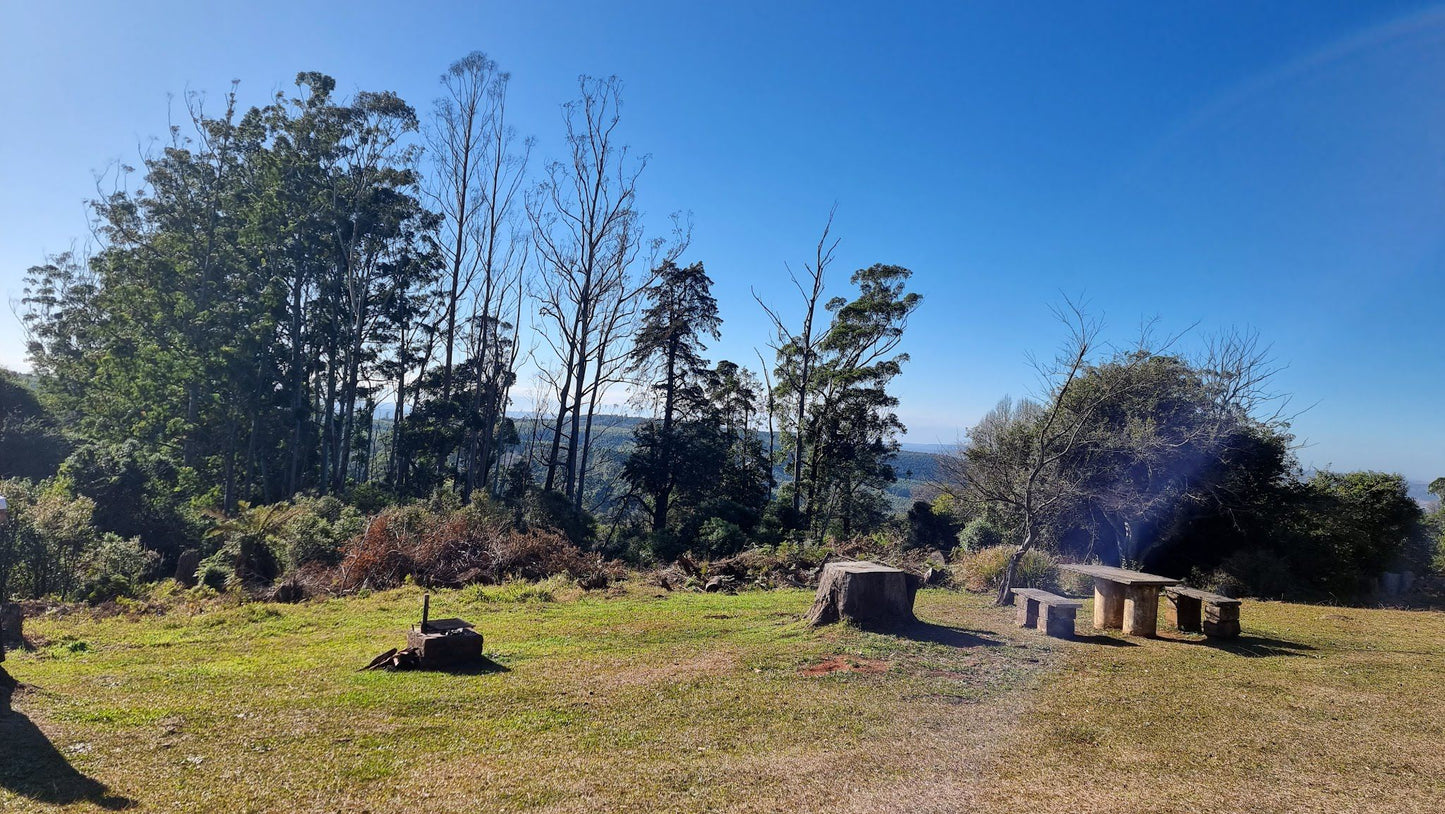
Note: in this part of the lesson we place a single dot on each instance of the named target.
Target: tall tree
(680, 315)
(586, 232)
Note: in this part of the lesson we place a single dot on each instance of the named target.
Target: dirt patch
(846, 664)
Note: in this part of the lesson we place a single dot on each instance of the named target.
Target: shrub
(978, 535)
(983, 571)
(719, 538)
(1252, 572)
(318, 531)
(461, 547)
(114, 568)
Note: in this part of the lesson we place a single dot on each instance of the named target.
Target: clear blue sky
(1278, 165)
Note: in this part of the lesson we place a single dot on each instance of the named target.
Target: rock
(186, 566)
(865, 593)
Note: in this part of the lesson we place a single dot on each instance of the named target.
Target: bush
(115, 568)
(318, 530)
(983, 571)
(719, 538)
(978, 535)
(1252, 572)
(461, 547)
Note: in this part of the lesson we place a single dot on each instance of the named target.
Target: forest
(333, 343)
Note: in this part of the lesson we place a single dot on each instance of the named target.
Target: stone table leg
(1141, 610)
(1028, 611)
(1186, 613)
(1108, 605)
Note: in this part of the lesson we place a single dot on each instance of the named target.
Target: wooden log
(864, 593)
(1141, 610)
(1108, 605)
(1185, 611)
(186, 566)
(1028, 611)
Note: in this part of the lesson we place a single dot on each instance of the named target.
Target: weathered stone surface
(454, 648)
(1141, 610)
(12, 620)
(1028, 611)
(1108, 605)
(1058, 620)
(186, 566)
(865, 593)
(1221, 630)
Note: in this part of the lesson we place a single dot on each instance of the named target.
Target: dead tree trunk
(864, 593)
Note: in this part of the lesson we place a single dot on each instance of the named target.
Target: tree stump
(864, 593)
(186, 567)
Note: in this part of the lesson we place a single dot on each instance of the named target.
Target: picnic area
(645, 700)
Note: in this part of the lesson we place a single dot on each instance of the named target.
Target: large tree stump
(186, 566)
(865, 593)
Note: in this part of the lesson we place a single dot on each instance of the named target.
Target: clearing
(644, 701)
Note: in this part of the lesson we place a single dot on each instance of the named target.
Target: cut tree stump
(864, 593)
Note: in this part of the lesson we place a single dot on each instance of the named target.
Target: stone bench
(1051, 613)
(1198, 611)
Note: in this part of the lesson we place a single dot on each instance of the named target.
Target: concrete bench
(1051, 613)
(1201, 611)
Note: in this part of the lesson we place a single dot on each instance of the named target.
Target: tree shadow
(919, 631)
(1254, 647)
(32, 767)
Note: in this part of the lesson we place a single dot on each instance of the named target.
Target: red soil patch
(846, 664)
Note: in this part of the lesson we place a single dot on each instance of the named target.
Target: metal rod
(425, 610)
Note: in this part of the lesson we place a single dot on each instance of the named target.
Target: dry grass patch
(1313, 709)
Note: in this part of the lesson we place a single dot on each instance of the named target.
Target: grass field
(643, 701)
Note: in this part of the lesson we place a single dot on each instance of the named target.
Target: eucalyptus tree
(842, 430)
(586, 232)
(476, 186)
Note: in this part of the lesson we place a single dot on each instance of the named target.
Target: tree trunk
(865, 593)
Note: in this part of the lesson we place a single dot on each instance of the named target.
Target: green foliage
(719, 538)
(929, 529)
(983, 570)
(1253, 572)
(317, 530)
(31, 445)
(979, 534)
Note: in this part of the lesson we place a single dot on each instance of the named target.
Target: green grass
(644, 701)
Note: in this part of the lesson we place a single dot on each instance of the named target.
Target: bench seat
(1195, 611)
(1051, 613)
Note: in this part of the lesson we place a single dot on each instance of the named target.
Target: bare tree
(796, 378)
(480, 172)
(1016, 456)
(586, 232)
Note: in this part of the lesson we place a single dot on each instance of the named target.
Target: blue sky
(1276, 165)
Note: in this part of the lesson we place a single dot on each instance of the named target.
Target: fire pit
(434, 645)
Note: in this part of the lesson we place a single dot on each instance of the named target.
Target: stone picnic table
(1123, 599)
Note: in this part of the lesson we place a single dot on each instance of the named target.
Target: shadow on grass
(1106, 641)
(32, 767)
(1256, 647)
(482, 666)
(938, 634)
